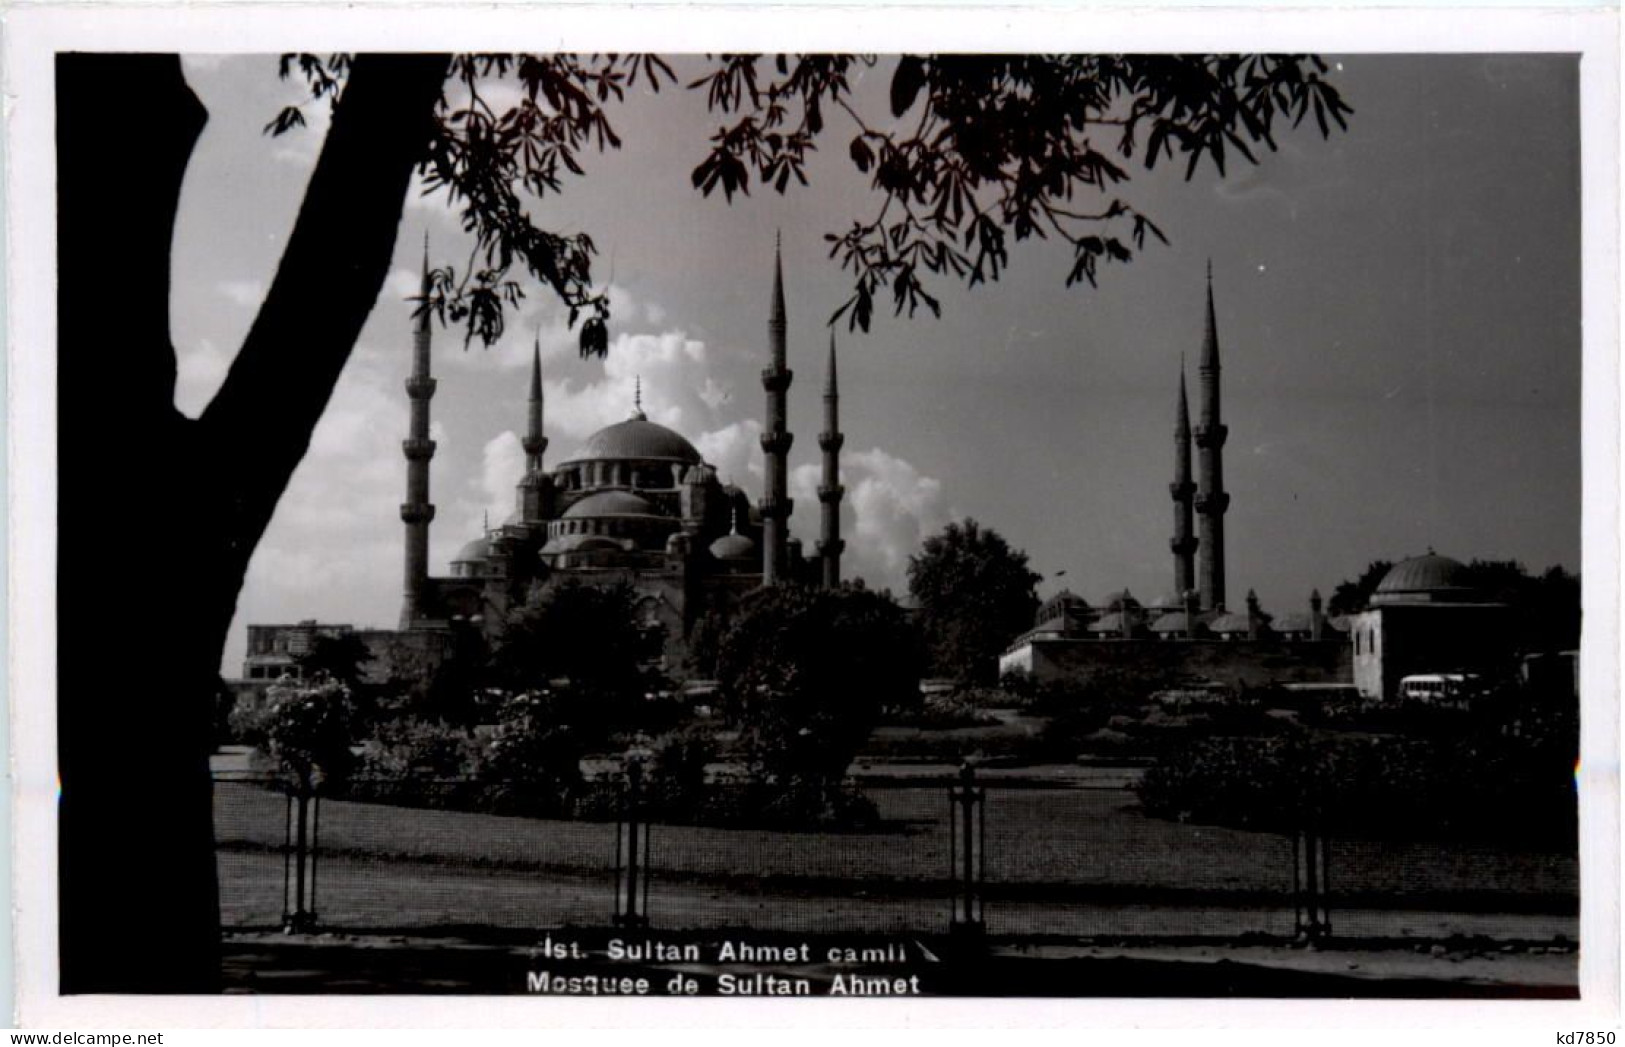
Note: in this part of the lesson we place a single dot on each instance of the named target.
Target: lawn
(1060, 860)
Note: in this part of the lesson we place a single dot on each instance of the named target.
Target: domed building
(1426, 617)
(1192, 629)
(636, 503)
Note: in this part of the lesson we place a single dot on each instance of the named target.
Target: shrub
(1484, 786)
(533, 761)
(805, 673)
(302, 726)
(676, 775)
(413, 747)
(941, 712)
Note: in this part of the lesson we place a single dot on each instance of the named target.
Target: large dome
(637, 437)
(1430, 577)
(610, 503)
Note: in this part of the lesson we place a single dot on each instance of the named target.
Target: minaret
(417, 511)
(1183, 490)
(830, 491)
(533, 485)
(1211, 499)
(535, 442)
(776, 439)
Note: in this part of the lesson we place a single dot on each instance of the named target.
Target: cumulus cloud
(671, 367)
(889, 509)
(735, 450)
(502, 464)
(894, 508)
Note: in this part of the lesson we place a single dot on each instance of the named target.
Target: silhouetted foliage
(1546, 607)
(1355, 596)
(975, 595)
(976, 149)
(971, 151)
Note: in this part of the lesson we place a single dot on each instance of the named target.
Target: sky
(1398, 312)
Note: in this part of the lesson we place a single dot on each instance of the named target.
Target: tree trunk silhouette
(183, 502)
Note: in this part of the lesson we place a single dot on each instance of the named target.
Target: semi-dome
(1424, 578)
(636, 438)
(474, 552)
(610, 503)
(733, 547)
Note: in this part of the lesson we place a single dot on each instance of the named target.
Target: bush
(676, 776)
(942, 712)
(1485, 786)
(805, 673)
(533, 761)
(302, 726)
(413, 747)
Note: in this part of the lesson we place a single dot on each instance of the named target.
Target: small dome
(1230, 623)
(1424, 578)
(1063, 602)
(477, 551)
(1170, 623)
(1166, 602)
(635, 438)
(733, 547)
(1111, 623)
(610, 503)
(1293, 622)
(1120, 601)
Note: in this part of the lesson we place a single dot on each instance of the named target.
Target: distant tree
(1355, 596)
(805, 673)
(586, 644)
(454, 688)
(1546, 606)
(342, 658)
(975, 595)
(983, 148)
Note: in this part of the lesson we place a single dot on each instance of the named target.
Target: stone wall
(1234, 663)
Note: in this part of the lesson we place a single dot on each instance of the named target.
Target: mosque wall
(1236, 663)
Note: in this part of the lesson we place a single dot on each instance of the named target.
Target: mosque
(635, 504)
(1423, 617)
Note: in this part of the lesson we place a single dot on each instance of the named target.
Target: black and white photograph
(956, 521)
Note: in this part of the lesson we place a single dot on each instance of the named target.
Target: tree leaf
(906, 83)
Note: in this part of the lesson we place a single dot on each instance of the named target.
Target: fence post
(632, 873)
(1312, 917)
(967, 821)
(299, 847)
